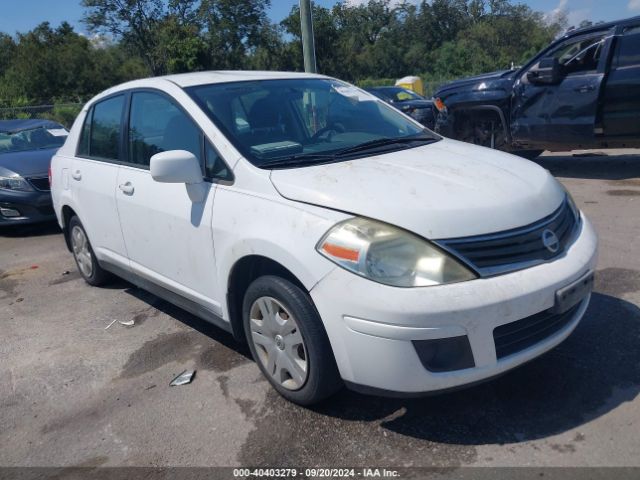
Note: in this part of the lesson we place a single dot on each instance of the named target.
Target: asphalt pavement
(76, 393)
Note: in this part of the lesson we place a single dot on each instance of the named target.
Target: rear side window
(156, 125)
(83, 146)
(104, 139)
(628, 49)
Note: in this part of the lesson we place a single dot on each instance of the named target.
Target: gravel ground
(75, 393)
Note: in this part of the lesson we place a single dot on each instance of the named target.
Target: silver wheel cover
(80, 246)
(278, 343)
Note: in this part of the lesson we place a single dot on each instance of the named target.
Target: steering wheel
(330, 130)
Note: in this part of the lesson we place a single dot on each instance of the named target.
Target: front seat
(266, 122)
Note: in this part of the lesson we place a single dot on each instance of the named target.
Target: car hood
(27, 163)
(488, 81)
(444, 190)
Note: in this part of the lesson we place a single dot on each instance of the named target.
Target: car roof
(185, 80)
(18, 125)
(601, 26)
(221, 76)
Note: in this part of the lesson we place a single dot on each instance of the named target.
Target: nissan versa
(342, 240)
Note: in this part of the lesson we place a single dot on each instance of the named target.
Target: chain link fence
(64, 113)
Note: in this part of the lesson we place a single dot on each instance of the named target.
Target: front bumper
(32, 207)
(372, 326)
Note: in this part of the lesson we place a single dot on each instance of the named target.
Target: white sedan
(343, 241)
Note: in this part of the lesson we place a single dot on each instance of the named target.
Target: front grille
(516, 336)
(515, 249)
(40, 183)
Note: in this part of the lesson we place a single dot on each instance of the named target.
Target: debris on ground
(66, 272)
(182, 379)
(110, 324)
(127, 323)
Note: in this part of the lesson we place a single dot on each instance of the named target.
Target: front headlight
(390, 255)
(572, 205)
(15, 183)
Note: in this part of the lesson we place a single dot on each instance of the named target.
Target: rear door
(168, 236)
(621, 105)
(563, 114)
(93, 179)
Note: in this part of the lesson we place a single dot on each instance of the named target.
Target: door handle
(76, 175)
(585, 88)
(126, 188)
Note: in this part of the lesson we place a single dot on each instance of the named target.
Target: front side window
(305, 121)
(157, 125)
(104, 141)
(214, 166)
(580, 56)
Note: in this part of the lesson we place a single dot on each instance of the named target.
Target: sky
(23, 15)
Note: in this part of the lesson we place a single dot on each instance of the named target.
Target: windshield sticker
(58, 132)
(352, 93)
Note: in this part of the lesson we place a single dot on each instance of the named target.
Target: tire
(86, 260)
(528, 154)
(304, 373)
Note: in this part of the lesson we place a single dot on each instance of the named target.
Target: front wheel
(83, 254)
(288, 341)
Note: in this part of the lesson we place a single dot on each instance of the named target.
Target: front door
(168, 236)
(564, 113)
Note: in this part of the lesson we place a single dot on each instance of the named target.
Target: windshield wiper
(299, 159)
(383, 142)
(316, 158)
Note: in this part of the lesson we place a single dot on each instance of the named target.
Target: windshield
(306, 120)
(32, 139)
(398, 94)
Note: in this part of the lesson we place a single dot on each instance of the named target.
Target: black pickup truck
(582, 91)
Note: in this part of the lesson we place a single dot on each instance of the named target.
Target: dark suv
(26, 148)
(582, 91)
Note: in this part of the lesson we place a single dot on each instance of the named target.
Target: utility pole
(308, 47)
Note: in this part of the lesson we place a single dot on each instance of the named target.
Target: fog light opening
(445, 354)
(9, 212)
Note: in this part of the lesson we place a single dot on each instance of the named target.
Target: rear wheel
(83, 254)
(288, 341)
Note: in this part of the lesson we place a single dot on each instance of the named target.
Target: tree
(7, 50)
(234, 30)
(58, 64)
(437, 39)
(136, 22)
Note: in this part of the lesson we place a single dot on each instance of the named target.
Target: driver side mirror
(548, 72)
(175, 166)
(179, 166)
